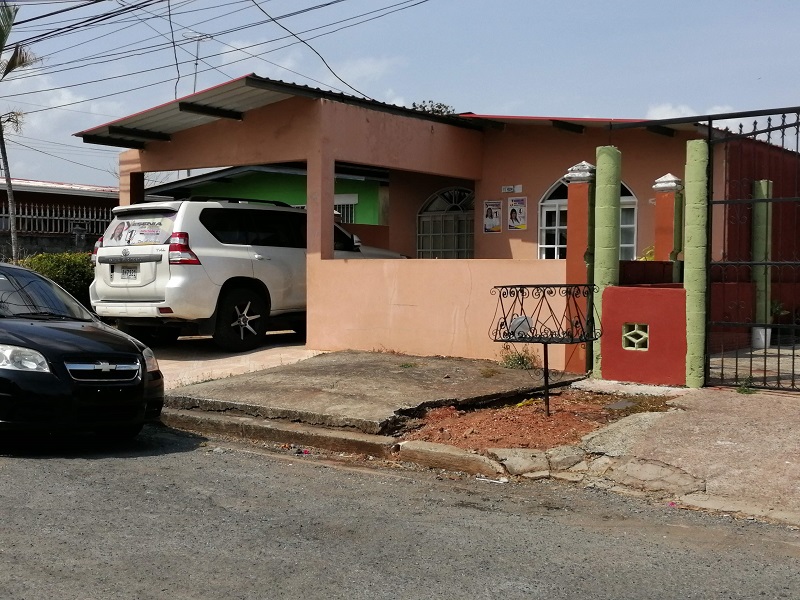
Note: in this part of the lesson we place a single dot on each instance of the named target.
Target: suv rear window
(140, 228)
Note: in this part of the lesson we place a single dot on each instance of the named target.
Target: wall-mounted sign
(518, 213)
(511, 189)
(492, 222)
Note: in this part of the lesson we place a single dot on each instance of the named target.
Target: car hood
(65, 337)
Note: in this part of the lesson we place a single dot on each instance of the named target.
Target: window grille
(445, 225)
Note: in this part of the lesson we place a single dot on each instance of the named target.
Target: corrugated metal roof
(233, 99)
(228, 100)
(50, 187)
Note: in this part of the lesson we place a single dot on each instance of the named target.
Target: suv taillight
(97, 245)
(179, 251)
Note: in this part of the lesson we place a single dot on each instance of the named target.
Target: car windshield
(26, 294)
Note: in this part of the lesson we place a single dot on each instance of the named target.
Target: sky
(101, 60)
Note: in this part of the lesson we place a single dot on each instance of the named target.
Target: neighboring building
(56, 217)
(360, 194)
(493, 194)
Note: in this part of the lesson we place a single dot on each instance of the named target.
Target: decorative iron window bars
(528, 314)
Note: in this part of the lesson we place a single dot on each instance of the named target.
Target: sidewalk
(725, 451)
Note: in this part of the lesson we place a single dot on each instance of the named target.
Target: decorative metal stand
(525, 315)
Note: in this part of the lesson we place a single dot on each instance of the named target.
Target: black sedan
(61, 368)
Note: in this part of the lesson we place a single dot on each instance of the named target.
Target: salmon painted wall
(294, 129)
(536, 156)
(376, 138)
(422, 307)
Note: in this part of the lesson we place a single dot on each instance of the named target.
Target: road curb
(280, 432)
(622, 474)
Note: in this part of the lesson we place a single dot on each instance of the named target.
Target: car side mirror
(356, 242)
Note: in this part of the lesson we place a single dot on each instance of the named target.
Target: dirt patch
(573, 414)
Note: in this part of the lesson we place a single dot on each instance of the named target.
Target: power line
(310, 47)
(55, 156)
(397, 6)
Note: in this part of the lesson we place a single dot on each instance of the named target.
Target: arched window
(553, 223)
(445, 225)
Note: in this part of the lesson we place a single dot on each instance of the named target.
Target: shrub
(71, 270)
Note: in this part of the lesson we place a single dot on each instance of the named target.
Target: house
(56, 217)
(481, 200)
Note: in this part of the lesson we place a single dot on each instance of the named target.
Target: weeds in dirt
(488, 372)
(525, 359)
(746, 386)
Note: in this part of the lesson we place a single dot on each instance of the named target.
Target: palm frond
(20, 58)
(8, 13)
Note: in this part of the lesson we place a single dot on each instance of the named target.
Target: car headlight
(16, 358)
(150, 362)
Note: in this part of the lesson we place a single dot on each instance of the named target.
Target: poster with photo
(142, 231)
(492, 222)
(518, 213)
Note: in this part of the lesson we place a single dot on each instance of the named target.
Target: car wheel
(242, 317)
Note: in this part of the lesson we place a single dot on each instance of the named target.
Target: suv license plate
(128, 272)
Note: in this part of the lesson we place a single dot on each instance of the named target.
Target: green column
(606, 238)
(695, 254)
(762, 251)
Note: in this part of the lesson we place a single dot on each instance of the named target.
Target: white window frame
(344, 205)
(559, 229)
(558, 249)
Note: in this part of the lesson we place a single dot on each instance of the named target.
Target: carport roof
(229, 100)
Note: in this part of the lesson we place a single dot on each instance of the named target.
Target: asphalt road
(172, 516)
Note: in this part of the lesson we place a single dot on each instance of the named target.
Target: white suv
(222, 267)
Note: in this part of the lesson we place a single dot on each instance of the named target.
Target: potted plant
(762, 336)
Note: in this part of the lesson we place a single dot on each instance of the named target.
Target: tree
(434, 108)
(20, 58)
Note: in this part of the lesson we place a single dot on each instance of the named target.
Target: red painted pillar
(668, 218)
(580, 246)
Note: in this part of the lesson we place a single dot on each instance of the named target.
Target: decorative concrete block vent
(635, 336)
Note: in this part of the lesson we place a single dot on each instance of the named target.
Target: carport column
(762, 248)
(669, 221)
(580, 247)
(695, 256)
(606, 241)
(319, 203)
(131, 178)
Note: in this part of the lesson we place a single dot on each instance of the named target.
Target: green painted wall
(606, 237)
(695, 253)
(292, 190)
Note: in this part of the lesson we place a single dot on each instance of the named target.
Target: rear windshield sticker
(143, 231)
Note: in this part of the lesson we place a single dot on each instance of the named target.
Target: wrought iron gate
(753, 331)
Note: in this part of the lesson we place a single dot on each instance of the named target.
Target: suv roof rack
(235, 200)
